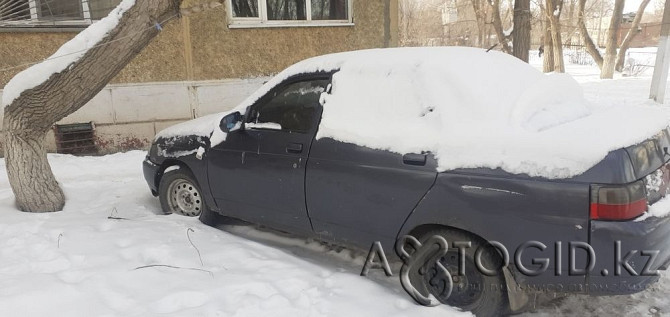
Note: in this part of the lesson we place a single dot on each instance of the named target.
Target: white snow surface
(659, 209)
(471, 108)
(66, 55)
(79, 262)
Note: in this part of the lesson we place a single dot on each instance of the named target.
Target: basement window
(288, 13)
(53, 13)
(77, 138)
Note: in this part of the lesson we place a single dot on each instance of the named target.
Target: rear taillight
(621, 202)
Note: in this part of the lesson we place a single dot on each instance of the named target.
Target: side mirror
(231, 122)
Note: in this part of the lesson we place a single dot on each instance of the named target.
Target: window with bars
(45, 13)
(252, 13)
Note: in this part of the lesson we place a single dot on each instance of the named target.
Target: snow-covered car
(461, 143)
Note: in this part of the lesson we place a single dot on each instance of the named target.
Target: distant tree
(521, 32)
(479, 7)
(547, 45)
(552, 12)
(613, 59)
(609, 61)
(591, 47)
(632, 32)
(419, 22)
(569, 22)
(498, 27)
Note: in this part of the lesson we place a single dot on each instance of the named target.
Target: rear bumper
(644, 245)
(150, 173)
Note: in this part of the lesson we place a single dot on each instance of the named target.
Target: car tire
(179, 193)
(479, 293)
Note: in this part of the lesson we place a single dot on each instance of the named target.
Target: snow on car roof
(470, 107)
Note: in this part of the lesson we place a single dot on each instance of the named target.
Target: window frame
(262, 20)
(36, 21)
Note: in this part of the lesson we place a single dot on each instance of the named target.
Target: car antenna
(492, 47)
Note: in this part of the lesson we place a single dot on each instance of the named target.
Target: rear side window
(290, 109)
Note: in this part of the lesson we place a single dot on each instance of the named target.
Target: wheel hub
(184, 198)
(466, 288)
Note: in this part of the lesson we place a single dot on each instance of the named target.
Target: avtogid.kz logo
(424, 276)
(416, 263)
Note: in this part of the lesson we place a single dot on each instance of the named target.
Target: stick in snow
(173, 267)
(196, 248)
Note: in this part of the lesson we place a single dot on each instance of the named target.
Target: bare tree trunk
(480, 16)
(632, 32)
(497, 26)
(548, 42)
(521, 33)
(29, 117)
(607, 71)
(591, 48)
(553, 11)
(571, 27)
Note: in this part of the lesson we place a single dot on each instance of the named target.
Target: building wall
(202, 47)
(648, 36)
(196, 66)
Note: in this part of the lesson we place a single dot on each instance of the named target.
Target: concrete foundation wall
(129, 116)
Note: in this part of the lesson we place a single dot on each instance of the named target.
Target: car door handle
(414, 159)
(294, 148)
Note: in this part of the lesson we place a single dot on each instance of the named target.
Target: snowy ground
(79, 262)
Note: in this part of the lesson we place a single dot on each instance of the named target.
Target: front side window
(253, 13)
(46, 13)
(290, 109)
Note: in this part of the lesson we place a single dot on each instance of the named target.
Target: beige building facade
(200, 64)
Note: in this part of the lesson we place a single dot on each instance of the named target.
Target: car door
(358, 195)
(258, 173)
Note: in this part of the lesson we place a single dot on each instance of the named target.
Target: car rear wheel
(473, 291)
(180, 194)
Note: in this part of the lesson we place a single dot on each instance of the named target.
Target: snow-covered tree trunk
(607, 71)
(32, 113)
(632, 32)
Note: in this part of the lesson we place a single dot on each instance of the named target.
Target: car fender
(511, 211)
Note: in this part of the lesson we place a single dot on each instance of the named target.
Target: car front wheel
(180, 194)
